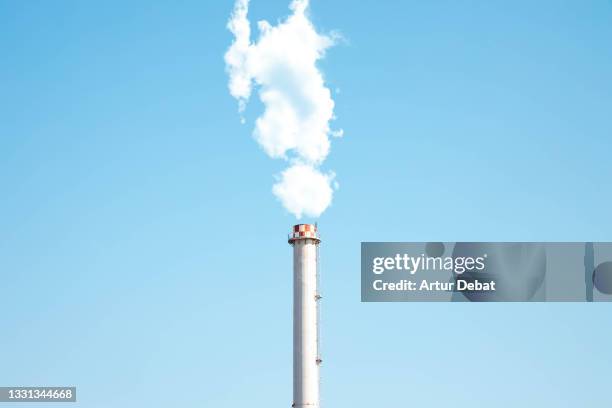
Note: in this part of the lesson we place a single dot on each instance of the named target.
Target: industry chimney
(306, 359)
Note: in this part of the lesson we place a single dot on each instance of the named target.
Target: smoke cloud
(298, 106)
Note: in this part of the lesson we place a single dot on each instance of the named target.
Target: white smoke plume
(294, 126)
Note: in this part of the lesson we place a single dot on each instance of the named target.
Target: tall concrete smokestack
(306, 359)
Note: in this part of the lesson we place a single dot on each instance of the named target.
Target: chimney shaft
(306, 360)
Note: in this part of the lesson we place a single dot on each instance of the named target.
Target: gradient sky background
(143, 256)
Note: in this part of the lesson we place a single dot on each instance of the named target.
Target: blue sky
(143, 255)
